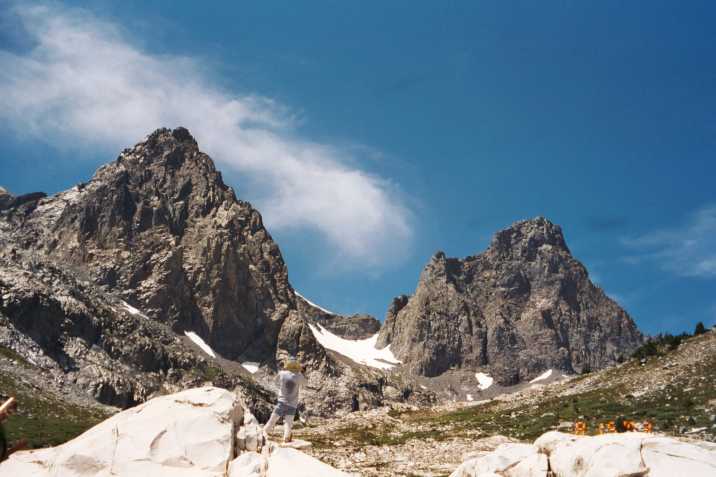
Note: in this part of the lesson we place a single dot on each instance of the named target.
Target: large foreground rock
(188, 434)
(281, 462)
(610, 455)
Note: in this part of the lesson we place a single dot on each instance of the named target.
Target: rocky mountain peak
(160, 226)
(523, 306)
(527, 236)
(169, 148)
(167, 173)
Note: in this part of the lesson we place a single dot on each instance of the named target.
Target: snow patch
(250, 366)
(360, 351)
(542, 376)
(132, 310)
(313, 304)
(200, 343)
(470, 398)
(484, 380)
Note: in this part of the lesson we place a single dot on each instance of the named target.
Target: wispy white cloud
(84, 82)
(688, 250)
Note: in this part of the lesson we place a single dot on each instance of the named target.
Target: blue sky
(371, 136)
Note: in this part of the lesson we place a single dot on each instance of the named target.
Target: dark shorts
(283, 409)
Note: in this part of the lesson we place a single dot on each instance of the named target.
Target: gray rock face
(98, 283)
(160, 226)
(85, 341)
(297, 340)
(5, 198)
(354, 327)
(522, 306)
(29, 201)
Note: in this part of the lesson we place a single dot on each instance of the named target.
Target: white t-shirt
(289, 384)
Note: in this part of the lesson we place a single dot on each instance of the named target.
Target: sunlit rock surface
(609, 455)
(188, 434)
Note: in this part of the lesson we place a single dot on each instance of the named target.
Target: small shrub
(646, 350)
(659, 344)
(700, 329)
(675, 341)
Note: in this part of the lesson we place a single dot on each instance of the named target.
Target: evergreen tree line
(665, 342)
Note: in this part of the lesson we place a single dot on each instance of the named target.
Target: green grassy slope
(43, 419)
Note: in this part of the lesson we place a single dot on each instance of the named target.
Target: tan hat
(292, 365)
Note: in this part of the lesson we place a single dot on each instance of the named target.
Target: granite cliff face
(523, 306)
(159, 226)
(99, 283)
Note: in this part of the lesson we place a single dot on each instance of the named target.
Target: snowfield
(200, 343)
(542, 376)
(250, 366)
(360, 351)
(484, 380)
(132, 310)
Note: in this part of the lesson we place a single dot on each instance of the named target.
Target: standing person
(289, 381)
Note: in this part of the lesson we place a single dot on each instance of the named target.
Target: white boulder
(185, 434)
(608, 455)
(288, 462)
(510, 460)
(189, 434)
(599, 456)
(250, 438)
(627, 453)
(277, 461)
(248, 464)
(664, 456)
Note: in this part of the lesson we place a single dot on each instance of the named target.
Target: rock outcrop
(297, 340)
(354, 327)
(88, 339)
(9, 201)
(628, 454)
(192, 433)
(523, 306)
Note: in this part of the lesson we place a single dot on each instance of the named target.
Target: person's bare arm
(7, 407)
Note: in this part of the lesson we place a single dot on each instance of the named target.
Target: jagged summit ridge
(523, 306)
(534, 233)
